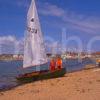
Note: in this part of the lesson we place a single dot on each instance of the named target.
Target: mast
(34, 49)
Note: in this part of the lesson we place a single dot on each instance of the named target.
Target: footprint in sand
(79, 79)
(89, 90)
(98, 80)
(63, 84)
(21, 93)
(52, 84)
(90, 82)
(1, 93)
(35, 91)
(82, 91)
(78, 90)
(58, 80)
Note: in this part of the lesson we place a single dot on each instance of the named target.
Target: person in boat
(52, 64)
(59, 63)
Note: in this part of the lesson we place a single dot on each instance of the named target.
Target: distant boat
(34, 49)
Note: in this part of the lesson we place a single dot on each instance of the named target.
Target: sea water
(10, 69)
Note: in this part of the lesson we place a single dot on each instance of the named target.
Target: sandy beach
(82, 85)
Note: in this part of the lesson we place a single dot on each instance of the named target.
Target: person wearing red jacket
(59, 63)
(52, 64)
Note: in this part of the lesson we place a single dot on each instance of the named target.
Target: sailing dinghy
(34, 49)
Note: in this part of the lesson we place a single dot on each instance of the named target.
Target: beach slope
(82, 85)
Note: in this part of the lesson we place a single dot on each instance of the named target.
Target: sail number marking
(32, 30)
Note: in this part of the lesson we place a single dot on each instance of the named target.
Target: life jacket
(59, 63)
(52, 65)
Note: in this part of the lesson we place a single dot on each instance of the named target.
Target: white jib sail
(34, 49)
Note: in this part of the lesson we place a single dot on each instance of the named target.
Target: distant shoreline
(11, 57)
(10, 60)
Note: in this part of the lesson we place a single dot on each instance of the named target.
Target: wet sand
(82, 85)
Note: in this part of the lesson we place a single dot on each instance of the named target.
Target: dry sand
(83, 85)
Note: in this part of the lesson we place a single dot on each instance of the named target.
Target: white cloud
(52, 10)
(10, 45)
(74, 21)
(7, 38)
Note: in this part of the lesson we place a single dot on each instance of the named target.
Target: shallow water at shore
(10, 69)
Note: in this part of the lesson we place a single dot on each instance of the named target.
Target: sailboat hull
(35, 76)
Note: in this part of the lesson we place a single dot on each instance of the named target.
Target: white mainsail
(34, 50)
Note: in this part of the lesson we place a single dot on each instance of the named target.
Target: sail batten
(34, 49)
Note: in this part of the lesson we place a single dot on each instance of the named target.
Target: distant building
(18, 56)
(15, 56)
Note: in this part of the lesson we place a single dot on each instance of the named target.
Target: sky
(79, 18)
